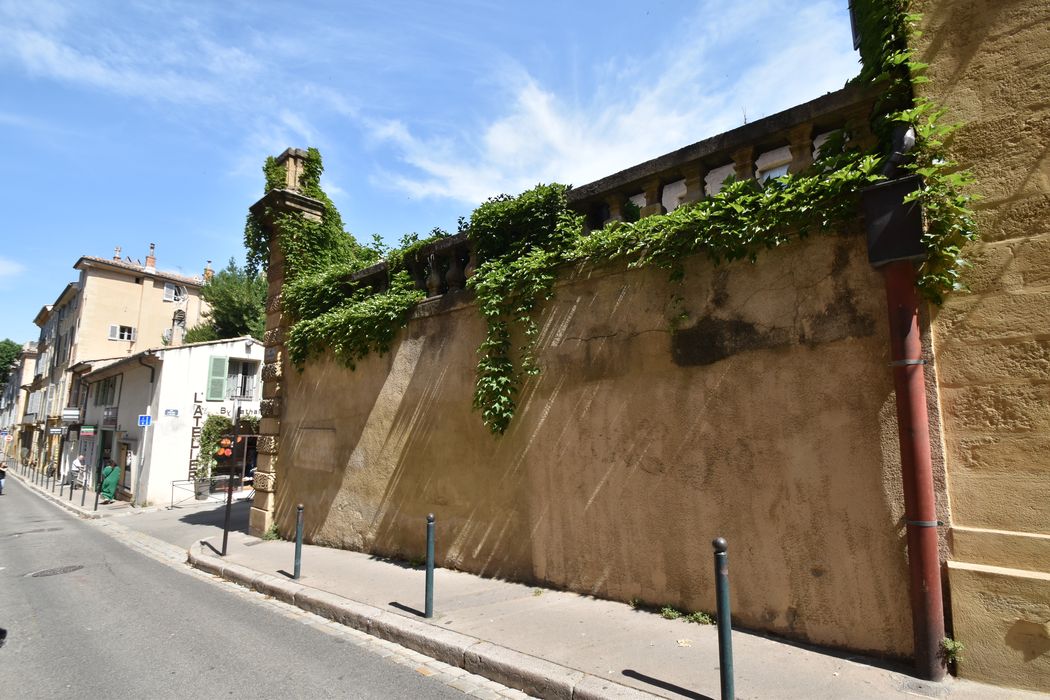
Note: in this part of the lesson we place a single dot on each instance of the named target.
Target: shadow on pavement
(671, 687)
(216, 516)
(400, 606)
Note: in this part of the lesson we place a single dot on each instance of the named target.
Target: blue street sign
(144, 421)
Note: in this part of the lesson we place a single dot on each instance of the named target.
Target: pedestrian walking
(3, 475)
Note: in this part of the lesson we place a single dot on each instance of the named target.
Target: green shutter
(216, 379)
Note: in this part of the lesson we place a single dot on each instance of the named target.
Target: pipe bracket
(925, 523)
(906, 363)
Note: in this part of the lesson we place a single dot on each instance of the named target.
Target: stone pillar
(695, 184)
(294, 162)
(801, 146)
(858, 126)
(615, 204)
(653, 192)
(744, 163)
(267, 209)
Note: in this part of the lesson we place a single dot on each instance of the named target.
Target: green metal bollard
(725, 624)
(428, 608)
(298, 541)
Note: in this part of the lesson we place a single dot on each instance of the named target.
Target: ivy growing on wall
(885, 27)
(521, 242)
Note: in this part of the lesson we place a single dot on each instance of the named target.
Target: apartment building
(14, 402)
(116, 308)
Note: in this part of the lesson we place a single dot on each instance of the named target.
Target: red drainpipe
(920, 512)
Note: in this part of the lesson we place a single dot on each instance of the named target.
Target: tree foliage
(237, 299)
(9, 351)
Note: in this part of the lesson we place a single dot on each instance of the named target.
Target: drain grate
(57, 570)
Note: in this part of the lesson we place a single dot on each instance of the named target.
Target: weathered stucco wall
(768, 419)
(989, 64)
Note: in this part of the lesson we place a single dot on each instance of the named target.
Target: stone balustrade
(436, 268)
(786, 142)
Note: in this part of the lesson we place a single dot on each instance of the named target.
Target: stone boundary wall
(767, 418)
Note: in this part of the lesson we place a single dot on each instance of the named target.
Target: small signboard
(8, 438)
(54, 431)
(171, 412)
(87, 431)
(145, 420)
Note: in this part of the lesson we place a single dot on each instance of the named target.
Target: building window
(121, 332)
(174, 292)
(240, 379)
(106, 392)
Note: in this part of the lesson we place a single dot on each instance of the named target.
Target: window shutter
(134, 334)
(114, 332)
(216, 379)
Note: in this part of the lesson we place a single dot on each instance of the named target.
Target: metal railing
(215, 493)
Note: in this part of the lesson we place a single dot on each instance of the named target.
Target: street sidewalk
(548, 643)
(83, 503)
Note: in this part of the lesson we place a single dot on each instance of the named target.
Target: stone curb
(532, 675)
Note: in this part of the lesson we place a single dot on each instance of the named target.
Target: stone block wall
(988, 65)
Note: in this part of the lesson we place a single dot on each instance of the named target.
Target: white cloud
(172, 60)
(10, 268)
(638, 109)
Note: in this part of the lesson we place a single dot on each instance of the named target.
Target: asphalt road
(122, 625)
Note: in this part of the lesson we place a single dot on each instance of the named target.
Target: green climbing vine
(887, 58)
(744, 218)
(309, 245)
(521, 242)
(215, 426)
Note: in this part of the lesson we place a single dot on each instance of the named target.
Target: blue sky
(125, 123)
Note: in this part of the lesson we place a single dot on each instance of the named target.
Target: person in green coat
(108, 485)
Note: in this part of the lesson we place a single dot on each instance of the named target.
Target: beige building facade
(14, 402)
(116, 308)
(989, 67)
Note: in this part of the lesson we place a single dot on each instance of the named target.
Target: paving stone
(464, 684)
